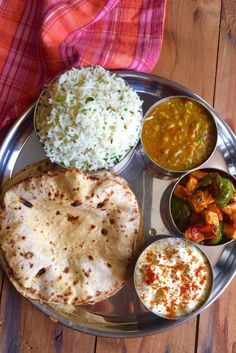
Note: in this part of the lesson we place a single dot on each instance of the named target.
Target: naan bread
(68, 237)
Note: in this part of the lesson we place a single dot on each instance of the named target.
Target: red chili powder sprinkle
(150, 276)
(199, 269)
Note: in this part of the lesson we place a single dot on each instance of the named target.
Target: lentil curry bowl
(179, 133)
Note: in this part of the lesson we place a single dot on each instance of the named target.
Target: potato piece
(191, 184)
(210, 217)
(229, 209)
(181, 192)
(198, 174)
(229, 230)
(199, 200)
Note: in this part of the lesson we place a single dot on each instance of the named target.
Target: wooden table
(199, 51)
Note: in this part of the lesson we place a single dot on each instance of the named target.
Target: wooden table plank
(24, 329)
(226, 78)
(181, 339)
(217, 329)
(189, 56)
(190, 45)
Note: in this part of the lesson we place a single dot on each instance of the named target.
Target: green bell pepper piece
(205, 181)
(223, 190)
(219, 236)
(180, 212)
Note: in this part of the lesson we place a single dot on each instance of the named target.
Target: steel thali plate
(123, 315)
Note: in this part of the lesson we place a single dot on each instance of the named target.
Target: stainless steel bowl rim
(172, 171)
(211, 276)
(172, 193)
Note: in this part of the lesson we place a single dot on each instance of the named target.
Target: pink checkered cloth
(40, 38)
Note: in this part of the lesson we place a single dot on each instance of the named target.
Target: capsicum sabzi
(203, 207)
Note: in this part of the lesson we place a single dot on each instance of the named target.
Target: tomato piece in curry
(179, 134)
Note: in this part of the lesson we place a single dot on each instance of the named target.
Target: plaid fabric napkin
(40, 38)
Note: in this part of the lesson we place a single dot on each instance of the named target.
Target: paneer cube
(213, 207)
(198, 174)
(181, 192)
(229, 230)
(210, 218)
(191, 184)
(230, 212)
(209, 198)
(199, 200)
(229, 209)
(233, 219)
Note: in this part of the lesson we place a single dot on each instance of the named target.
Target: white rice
(89, 118)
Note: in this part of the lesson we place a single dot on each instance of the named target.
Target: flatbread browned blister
(69, 237)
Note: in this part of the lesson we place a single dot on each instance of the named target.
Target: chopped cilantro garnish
(200, 138)
(89, 99)
(60, 100)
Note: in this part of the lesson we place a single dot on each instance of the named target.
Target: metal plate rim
(4, 152)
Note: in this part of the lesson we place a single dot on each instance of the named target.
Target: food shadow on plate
(124, 303)
(149, 166)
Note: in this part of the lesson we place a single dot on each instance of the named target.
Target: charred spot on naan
(104, 231)
(25, 202)
(71, 218)
(27, 255)
(76, 203)
(40, 272)
(103, 203)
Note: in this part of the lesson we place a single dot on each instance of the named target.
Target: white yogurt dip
(172, 277)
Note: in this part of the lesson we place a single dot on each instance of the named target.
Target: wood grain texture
(189, 51)
(24, 329)
(178, 340)
(217, 329)
(226, 77)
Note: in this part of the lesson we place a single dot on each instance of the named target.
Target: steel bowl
(223, 173)
(118, 167)
(202, 304)
(177, 173)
